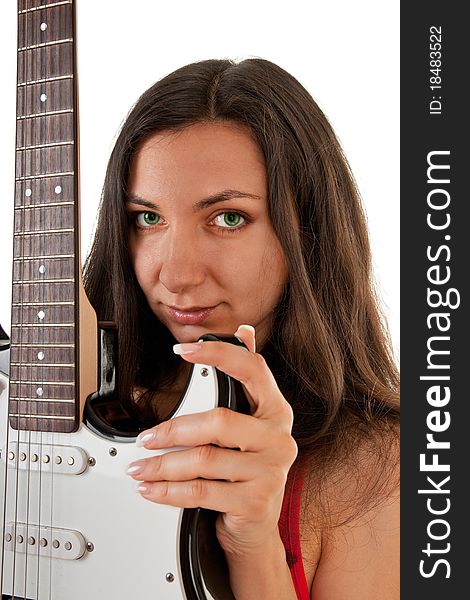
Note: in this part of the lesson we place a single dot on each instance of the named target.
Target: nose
(182, 262)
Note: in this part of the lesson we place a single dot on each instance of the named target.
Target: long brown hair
(329, 349)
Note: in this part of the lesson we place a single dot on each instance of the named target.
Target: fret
(25, 408)
(44, 44)
(44, 80)
(45, 130)
(40, 232)
(50, 257)
(21, 281)
(46, 114)
(44, 6)
(40, 345)
(36, 364)
(43, 303)
(54, 383)
(62, 400)
(32, 416)
(43, 205)
(43, 325)
(50, 61)
(45, 145)
(44, 176)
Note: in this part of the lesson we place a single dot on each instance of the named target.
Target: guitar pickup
(44, 541)
(61, 460)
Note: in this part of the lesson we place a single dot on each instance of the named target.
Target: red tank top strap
(289, 528)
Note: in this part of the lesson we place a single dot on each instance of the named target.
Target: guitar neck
(44, 369)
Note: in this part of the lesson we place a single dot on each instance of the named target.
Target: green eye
(230, 219)
(145, 219)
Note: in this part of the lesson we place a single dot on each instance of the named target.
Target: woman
(228, 202)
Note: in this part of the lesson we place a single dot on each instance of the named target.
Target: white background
(345, 53)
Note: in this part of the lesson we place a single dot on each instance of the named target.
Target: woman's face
(201, 240)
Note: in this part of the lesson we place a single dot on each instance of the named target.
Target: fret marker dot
(43, 97)
(42, 269)
(39, 392)
(28, 192)
(57, 189)
(41, 355)
(41, 315)
(43, 26)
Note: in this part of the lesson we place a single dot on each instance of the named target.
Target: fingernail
(135, 468)
(242, 342)
(144, 437)
(247, 327)
(186, 348)
(144, 488)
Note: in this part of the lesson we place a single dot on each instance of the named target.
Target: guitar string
(7, 446)
(21, 264)
(28, 100)
(6, 450)
(43, 153)
(17, 187)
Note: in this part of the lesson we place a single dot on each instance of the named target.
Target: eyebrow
(200, 204)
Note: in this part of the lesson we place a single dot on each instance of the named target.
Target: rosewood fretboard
(43, 373)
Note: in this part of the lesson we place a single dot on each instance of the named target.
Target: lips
(194, 315)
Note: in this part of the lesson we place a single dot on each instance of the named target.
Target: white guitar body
(82, 531)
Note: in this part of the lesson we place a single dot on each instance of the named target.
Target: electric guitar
(73, 526)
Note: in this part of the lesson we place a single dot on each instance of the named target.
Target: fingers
(220, 426)
(221, 496)
(246, 333)
(249, 368)
(207, 462)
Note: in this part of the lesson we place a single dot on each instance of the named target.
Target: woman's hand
(236, 464)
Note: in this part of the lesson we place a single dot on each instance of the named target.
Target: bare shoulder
(350, 525)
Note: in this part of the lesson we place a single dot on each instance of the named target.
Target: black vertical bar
(435, 256)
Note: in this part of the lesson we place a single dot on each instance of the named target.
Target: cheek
(143, 262)
(261, 273)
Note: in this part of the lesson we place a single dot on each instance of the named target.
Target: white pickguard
(135, 542)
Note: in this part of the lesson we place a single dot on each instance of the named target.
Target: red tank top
(289, 528)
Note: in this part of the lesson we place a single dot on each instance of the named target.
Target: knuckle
(168, 429)
(260, 361)
(158, 467)
(290, 449)
(204, 454)
(198, 489)
(222, 416)
(163, 489)
(287, 414)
